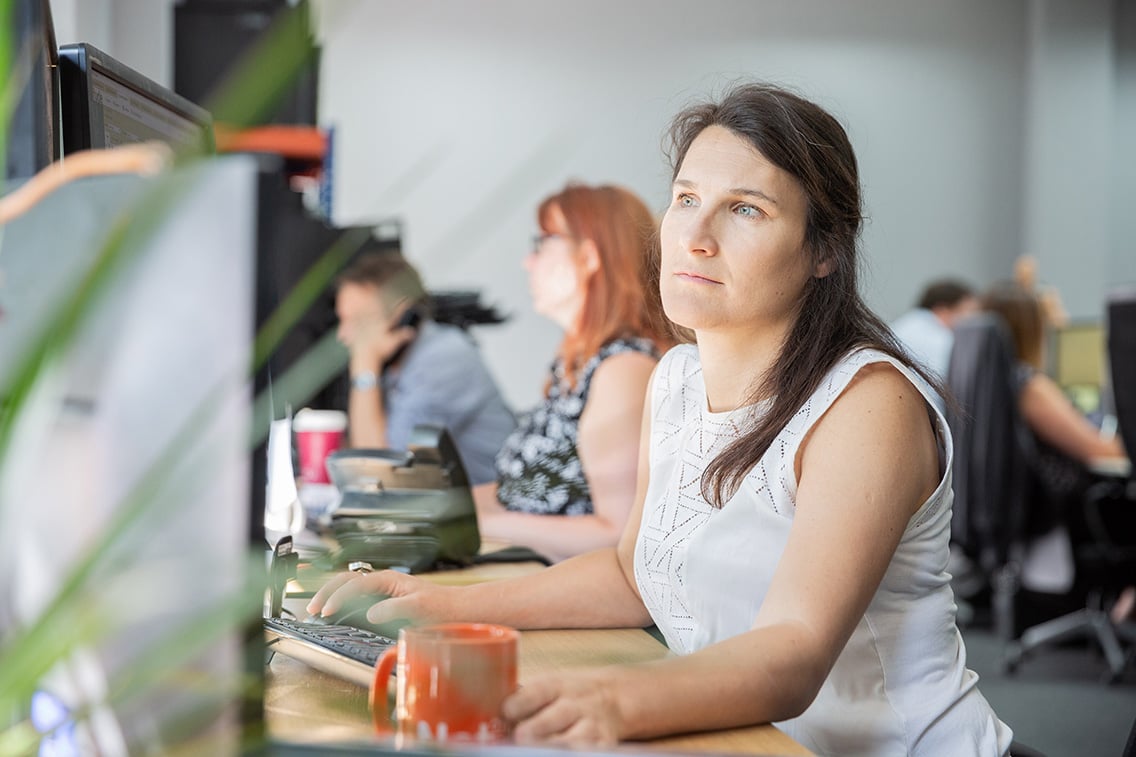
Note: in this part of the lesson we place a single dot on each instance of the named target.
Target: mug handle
(377, 697)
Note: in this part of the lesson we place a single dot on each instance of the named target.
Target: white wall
(459, 116)
(1070, 146)
(138, 33)
(1122, 266)
(984, 129)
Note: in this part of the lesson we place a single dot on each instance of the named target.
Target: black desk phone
(411, 510)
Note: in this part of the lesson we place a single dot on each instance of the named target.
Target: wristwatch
(364, 381)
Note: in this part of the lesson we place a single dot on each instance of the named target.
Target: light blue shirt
(926, 338)
(441, 380)
(928, 341)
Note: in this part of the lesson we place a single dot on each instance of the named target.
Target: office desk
(305, 705)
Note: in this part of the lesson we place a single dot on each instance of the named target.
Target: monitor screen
(106, 104)
(1079, 365)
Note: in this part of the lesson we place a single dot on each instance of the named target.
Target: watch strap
(364, 381)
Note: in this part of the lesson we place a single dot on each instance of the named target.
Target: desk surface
(304, 705)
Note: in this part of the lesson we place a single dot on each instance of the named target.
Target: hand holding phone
(379, 341)
(406, 325)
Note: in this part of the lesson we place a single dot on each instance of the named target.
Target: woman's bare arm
(1050, 414)
(608, 446)
(593, 590)
(869, 464)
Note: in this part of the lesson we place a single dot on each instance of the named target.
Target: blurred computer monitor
(106, 103)
(1079, 362)
(151, 399)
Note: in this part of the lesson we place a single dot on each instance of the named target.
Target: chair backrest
(992, 446)
(1122, 362)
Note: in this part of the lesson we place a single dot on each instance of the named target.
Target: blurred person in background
(1067, 442)
(566, 476)
(1045, 408)
(927, 329)
(406, 369)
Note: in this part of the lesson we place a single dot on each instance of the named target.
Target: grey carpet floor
(1056, 701)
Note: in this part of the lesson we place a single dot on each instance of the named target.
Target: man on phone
(406, 369)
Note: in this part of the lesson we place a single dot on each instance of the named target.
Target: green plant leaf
(74, 619)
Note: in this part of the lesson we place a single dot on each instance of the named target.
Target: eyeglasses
(539, 240)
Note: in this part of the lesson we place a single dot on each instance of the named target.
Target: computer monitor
(210, 40)
(1122, 361)
(154, 381)
(106, 104)
(33, 131)
(1079, 364)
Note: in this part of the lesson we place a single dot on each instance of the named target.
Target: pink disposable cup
(318, 434)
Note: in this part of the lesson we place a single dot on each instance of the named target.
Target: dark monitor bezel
(77, 62)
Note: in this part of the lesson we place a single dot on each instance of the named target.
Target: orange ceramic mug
(451, 682)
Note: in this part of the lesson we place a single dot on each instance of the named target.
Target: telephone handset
(410, 318)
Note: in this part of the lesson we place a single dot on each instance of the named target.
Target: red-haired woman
(566, 477)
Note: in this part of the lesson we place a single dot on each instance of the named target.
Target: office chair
(992, 450)
(1110, 565)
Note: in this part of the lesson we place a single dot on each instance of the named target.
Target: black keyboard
(343, 651)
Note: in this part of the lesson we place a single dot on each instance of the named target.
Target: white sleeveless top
(901, 685)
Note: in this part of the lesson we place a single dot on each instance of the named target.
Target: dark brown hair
(944, 293)
(805, 141)
(1023, 313)
(621, 299)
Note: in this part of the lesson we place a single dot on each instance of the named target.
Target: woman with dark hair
(791, 527)
(566, 475)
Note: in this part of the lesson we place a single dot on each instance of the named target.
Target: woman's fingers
(344, 587)
(550, 723)
(567, 710)
(393, 608)
(319, 601)
(529, 699)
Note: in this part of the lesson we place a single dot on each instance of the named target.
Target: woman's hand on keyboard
(398, 596)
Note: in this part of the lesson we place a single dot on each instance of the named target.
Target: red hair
(621, 297)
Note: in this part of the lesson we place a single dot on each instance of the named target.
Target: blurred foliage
(73, 621)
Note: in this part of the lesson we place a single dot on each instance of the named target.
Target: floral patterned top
(538, 468)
